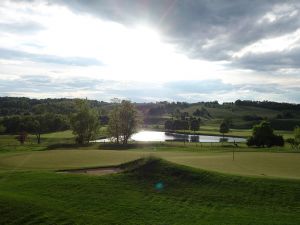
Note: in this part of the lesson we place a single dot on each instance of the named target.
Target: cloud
(27, 27)
(220, 42)
(43, 86)
(270, 61)
(196, 86)
(10, 54)
(209, 30)
(202, 29)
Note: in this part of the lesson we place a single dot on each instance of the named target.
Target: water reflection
(158, 136)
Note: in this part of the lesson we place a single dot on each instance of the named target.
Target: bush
(295, 142)
(263, 135)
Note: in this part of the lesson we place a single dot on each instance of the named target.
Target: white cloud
(282, 43)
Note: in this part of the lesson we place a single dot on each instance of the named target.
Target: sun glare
(136, 53)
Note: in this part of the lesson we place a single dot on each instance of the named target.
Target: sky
(151, 50)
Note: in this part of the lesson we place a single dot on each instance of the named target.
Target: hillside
(240, 114)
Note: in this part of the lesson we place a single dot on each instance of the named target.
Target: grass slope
(188, 197)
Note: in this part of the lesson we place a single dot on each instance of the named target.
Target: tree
(297, 134)
(123, 121)
(224, 128)
(263, 135)
(180, 125)
(35, 127)
(85, 122)
(22, 137)
(44, 123)
(113, 127)
(128, 119)
(169, 125)
(295, 142)
(195, 125)
(2, 129)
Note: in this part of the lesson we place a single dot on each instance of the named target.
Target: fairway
(264, 164)
(185, 196)
(283, 165)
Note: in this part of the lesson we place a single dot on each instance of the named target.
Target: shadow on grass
(58, 146)
(102, 146)
(114, 146)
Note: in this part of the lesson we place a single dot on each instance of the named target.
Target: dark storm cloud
(271, 61)
(20, 55)
(207, 29)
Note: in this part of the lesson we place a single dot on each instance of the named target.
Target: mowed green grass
(266, 164)
(186, 197)
(31, 192)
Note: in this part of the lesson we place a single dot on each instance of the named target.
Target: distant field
(214, 129)
(284, 165)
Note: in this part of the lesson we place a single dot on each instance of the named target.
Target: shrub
(263, 135)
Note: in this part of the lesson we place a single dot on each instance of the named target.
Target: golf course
(156, 183)
(149, 112)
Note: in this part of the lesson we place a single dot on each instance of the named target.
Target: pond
(159, 136)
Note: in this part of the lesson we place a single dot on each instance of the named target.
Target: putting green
(283, 165)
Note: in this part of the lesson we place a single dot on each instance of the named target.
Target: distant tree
(297, 134)
(228, 121)
(2, 129)
(224, 128)
(123, 121)
(295, 142)
(34, 126)
(252, 118)
(195, 125)
(181, 125)
(104, 120)
(263, 135)
(184, 115)
(85, 122)
(177, 114)
(22, 137)
(44, 123)
(177, 125)
(12, 124)
(157, 111)
(201, 112)
(169, 125)
(197, 112)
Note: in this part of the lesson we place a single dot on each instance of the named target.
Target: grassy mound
(151, 191)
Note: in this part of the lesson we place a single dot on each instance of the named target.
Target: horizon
(151, 51)
(162, 101)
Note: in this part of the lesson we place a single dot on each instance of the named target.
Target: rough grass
(184, 196)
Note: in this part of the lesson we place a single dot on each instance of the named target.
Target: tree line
(85, 122)
(268, 104)
(35, 124)
(187, 124)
